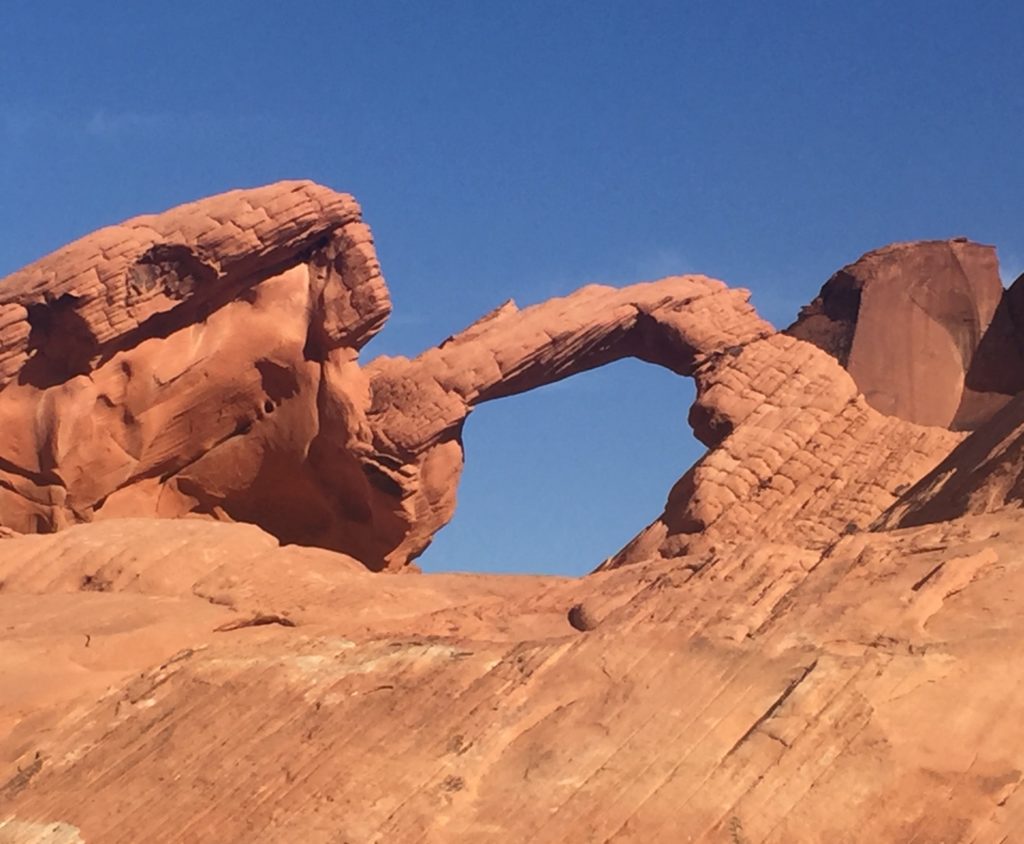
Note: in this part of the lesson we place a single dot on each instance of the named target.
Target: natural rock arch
(419, 406)
(795, 452)
(213, 370)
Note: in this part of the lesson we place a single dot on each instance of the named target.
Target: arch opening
(559, 478)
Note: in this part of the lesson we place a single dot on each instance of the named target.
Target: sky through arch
(560, 477)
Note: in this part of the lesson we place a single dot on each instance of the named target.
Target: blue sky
(523, 149)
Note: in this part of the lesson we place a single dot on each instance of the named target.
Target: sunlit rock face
(204, 361)
(915, 324)
(183, 363)
(815, 641)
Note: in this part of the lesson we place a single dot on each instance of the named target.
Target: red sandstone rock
(997, 369)
(984, 474)
(182, 363)
(420, 405)
(757, 666)
(802, 457)
(767, 693)
(906, 321)
(204, 362)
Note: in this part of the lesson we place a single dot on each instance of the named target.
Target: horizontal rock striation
(764, 694)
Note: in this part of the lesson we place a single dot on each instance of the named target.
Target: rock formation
(983, 474)
(997, 369)
(181, 363)
(764, 694)
(204, 361)
(907, 321)
(812, 642)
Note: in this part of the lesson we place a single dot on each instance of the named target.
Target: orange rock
(984, 474)
(906, 321)
(814, 641)
(204, 361)
(997, 369)
(419, 406)
(187, 362)
(768, 693)
(797, 456)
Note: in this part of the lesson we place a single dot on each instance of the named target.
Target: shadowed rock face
(984, 474)
(997, 370)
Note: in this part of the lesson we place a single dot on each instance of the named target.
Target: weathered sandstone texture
(186, 681)
(204, 361)
(985, 473)
(907, 322)
(816, 641)
(183, 363)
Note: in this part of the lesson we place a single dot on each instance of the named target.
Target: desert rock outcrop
(204, 361)
(803, 458)
(764, 694)
(906, 321)
(814, 642)
(178, 363)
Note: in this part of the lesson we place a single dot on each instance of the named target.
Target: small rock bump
(582, 618)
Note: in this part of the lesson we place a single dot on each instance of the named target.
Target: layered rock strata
(766, 693)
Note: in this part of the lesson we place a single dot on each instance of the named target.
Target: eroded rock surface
(802, 458)
(766, 693)
(906, 321)
(984, 474)
(183, 363)
(205, 362)
(815, 641)
(419, 406)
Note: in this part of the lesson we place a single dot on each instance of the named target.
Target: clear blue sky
(523, 149)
